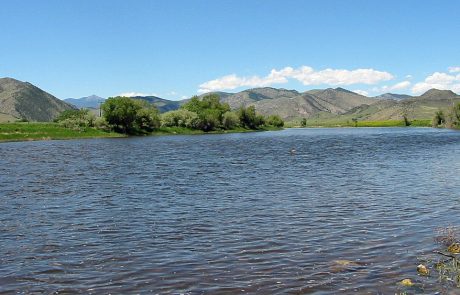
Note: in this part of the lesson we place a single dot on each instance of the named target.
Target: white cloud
(396, 87)
(133, 94)
(454, 69)
(362, 92)
(440, 81)
(306, 75)
(233, 81)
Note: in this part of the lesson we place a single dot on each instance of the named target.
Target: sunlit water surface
(234, 213)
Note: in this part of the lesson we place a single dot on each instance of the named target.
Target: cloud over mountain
(305, 74)
(438, 80)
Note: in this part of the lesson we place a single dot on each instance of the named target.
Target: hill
(92, 101)
(163, 105)
(393, 96)
(22, 100)
(291, 104)
(421, 107)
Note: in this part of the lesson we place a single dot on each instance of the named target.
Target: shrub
(76, 119)
(180, 118)
(230, 120)
(249, 118)
(439, 119)
(275, 120)
(209, 109)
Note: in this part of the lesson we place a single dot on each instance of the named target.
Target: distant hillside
(417, 107)
(393, 96)
(92, 101)
(251, 96)
(339, 103)
(291, 104)
(22, 100)
(436, 94)
(163, 105)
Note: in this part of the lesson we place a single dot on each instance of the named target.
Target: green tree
(230, 120)
(439, 118)
(180, 118)
(147, 118)
(209, 109)
(76, 119)
(453, 116)
(275, 120)
(303, 122)
(249, 118)
(130, 116)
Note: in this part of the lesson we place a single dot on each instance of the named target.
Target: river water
(352, 210)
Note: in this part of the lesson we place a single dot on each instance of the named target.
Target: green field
(46, 131)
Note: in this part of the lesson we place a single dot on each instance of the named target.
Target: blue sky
(177, 49)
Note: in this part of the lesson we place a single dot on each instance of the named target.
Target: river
(352, 210)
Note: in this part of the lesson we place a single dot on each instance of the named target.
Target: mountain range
(22, 100)
(92, 101)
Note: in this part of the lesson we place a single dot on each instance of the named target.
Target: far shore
(35, 131)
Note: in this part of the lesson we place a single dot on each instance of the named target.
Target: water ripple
(221, 214)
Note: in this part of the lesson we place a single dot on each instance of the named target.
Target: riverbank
(341, 123)
(26, 131)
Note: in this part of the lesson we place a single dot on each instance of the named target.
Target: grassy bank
(338, 123)
(47, 131)
(188, 131)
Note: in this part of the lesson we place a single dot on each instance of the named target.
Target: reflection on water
(350, 211)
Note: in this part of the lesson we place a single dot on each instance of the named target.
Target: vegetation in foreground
(440, 267)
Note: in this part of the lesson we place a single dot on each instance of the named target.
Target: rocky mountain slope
(22, 100)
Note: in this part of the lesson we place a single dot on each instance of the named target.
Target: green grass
(188, 131)
(46, 131)
(341, 123)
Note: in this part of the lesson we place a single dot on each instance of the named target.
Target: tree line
(134, 116)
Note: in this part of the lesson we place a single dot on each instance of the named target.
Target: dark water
(234, 213)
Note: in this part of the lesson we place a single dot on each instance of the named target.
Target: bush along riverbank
(450, 119)
(206, 115)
